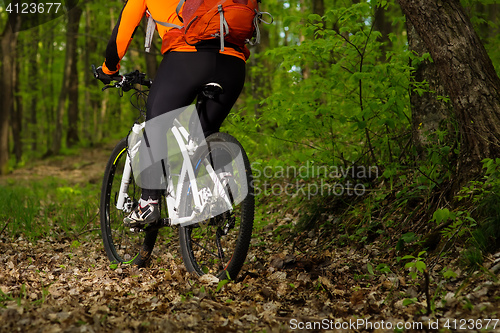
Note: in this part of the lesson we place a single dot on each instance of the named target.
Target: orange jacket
(130, 17)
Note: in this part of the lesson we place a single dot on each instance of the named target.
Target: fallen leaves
(65, 287)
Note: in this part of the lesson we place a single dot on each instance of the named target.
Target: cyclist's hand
(105, 78)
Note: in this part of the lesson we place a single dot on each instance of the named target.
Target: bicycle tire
(122, 245)
(197, 257)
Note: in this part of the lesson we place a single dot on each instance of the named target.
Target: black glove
(105, 78)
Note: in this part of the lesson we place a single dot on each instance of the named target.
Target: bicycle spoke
(220, 251)
(204, 248)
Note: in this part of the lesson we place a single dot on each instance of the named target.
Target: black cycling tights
(179, 79)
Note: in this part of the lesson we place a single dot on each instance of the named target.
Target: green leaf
(421, 266)
(410, 264)
(369, 267)
(75, 244)
(441, 215)
(408, 237)
(221, 284)
(383, 268)
(409, 301)
(408, 256)
(314, 17)
(449, 274)
(361, 124)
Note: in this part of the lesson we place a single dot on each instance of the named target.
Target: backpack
(230, 21)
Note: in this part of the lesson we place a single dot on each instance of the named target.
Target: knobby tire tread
(245, 226)
(144, 253)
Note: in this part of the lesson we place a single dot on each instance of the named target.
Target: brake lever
(94, 71)
(119, 83)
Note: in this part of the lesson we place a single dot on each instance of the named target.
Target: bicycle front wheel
(122, 245)
(219, 245)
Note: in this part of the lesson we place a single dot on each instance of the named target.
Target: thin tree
(70, 79)
(8, 55)
(73, 111)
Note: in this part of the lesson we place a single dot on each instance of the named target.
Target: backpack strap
(224, 28)
(256, 20)
(178, 10)
(150, 29)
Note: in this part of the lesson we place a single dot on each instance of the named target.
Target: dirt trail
(294, 283)
(87, 166)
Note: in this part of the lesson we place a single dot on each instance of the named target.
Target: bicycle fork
(122, 202)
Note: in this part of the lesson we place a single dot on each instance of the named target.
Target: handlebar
(126, 81)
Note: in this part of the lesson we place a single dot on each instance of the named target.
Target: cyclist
(183, 70)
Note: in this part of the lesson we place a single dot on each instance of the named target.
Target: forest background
(372, 125)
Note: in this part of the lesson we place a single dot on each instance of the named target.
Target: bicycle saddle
(212, 89)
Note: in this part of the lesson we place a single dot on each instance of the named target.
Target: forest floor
(291, 282)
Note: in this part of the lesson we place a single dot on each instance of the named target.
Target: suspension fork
(122, 194)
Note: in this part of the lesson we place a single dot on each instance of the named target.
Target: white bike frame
(173, 199)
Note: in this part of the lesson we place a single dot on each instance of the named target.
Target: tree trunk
(8, 55)
(91, 102)
(68, 77)
(72, 40)
(61, 106)
(467, 74)
(383, 22)
(16, 115)
(33, 86)
(48, 91)
(428, 113)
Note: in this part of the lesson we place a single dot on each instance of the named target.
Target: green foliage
(417, 265)
(48, 207)
(472, 258)
(405, 239)
(332, 98)
(409, 301)
(448, 273)
(221, 284)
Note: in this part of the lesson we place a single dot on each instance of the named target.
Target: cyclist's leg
(172, 88)
(177, 82)
(229, 72)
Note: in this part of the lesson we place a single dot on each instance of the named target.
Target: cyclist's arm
(130, 17)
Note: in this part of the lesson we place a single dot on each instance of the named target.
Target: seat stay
(187, 168)
(219, 190)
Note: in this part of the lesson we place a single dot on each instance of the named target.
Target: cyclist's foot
(146, 212)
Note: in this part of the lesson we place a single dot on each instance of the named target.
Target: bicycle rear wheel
(219, 245)
(122, 245)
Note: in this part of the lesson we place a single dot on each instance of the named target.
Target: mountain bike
(215, 226)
